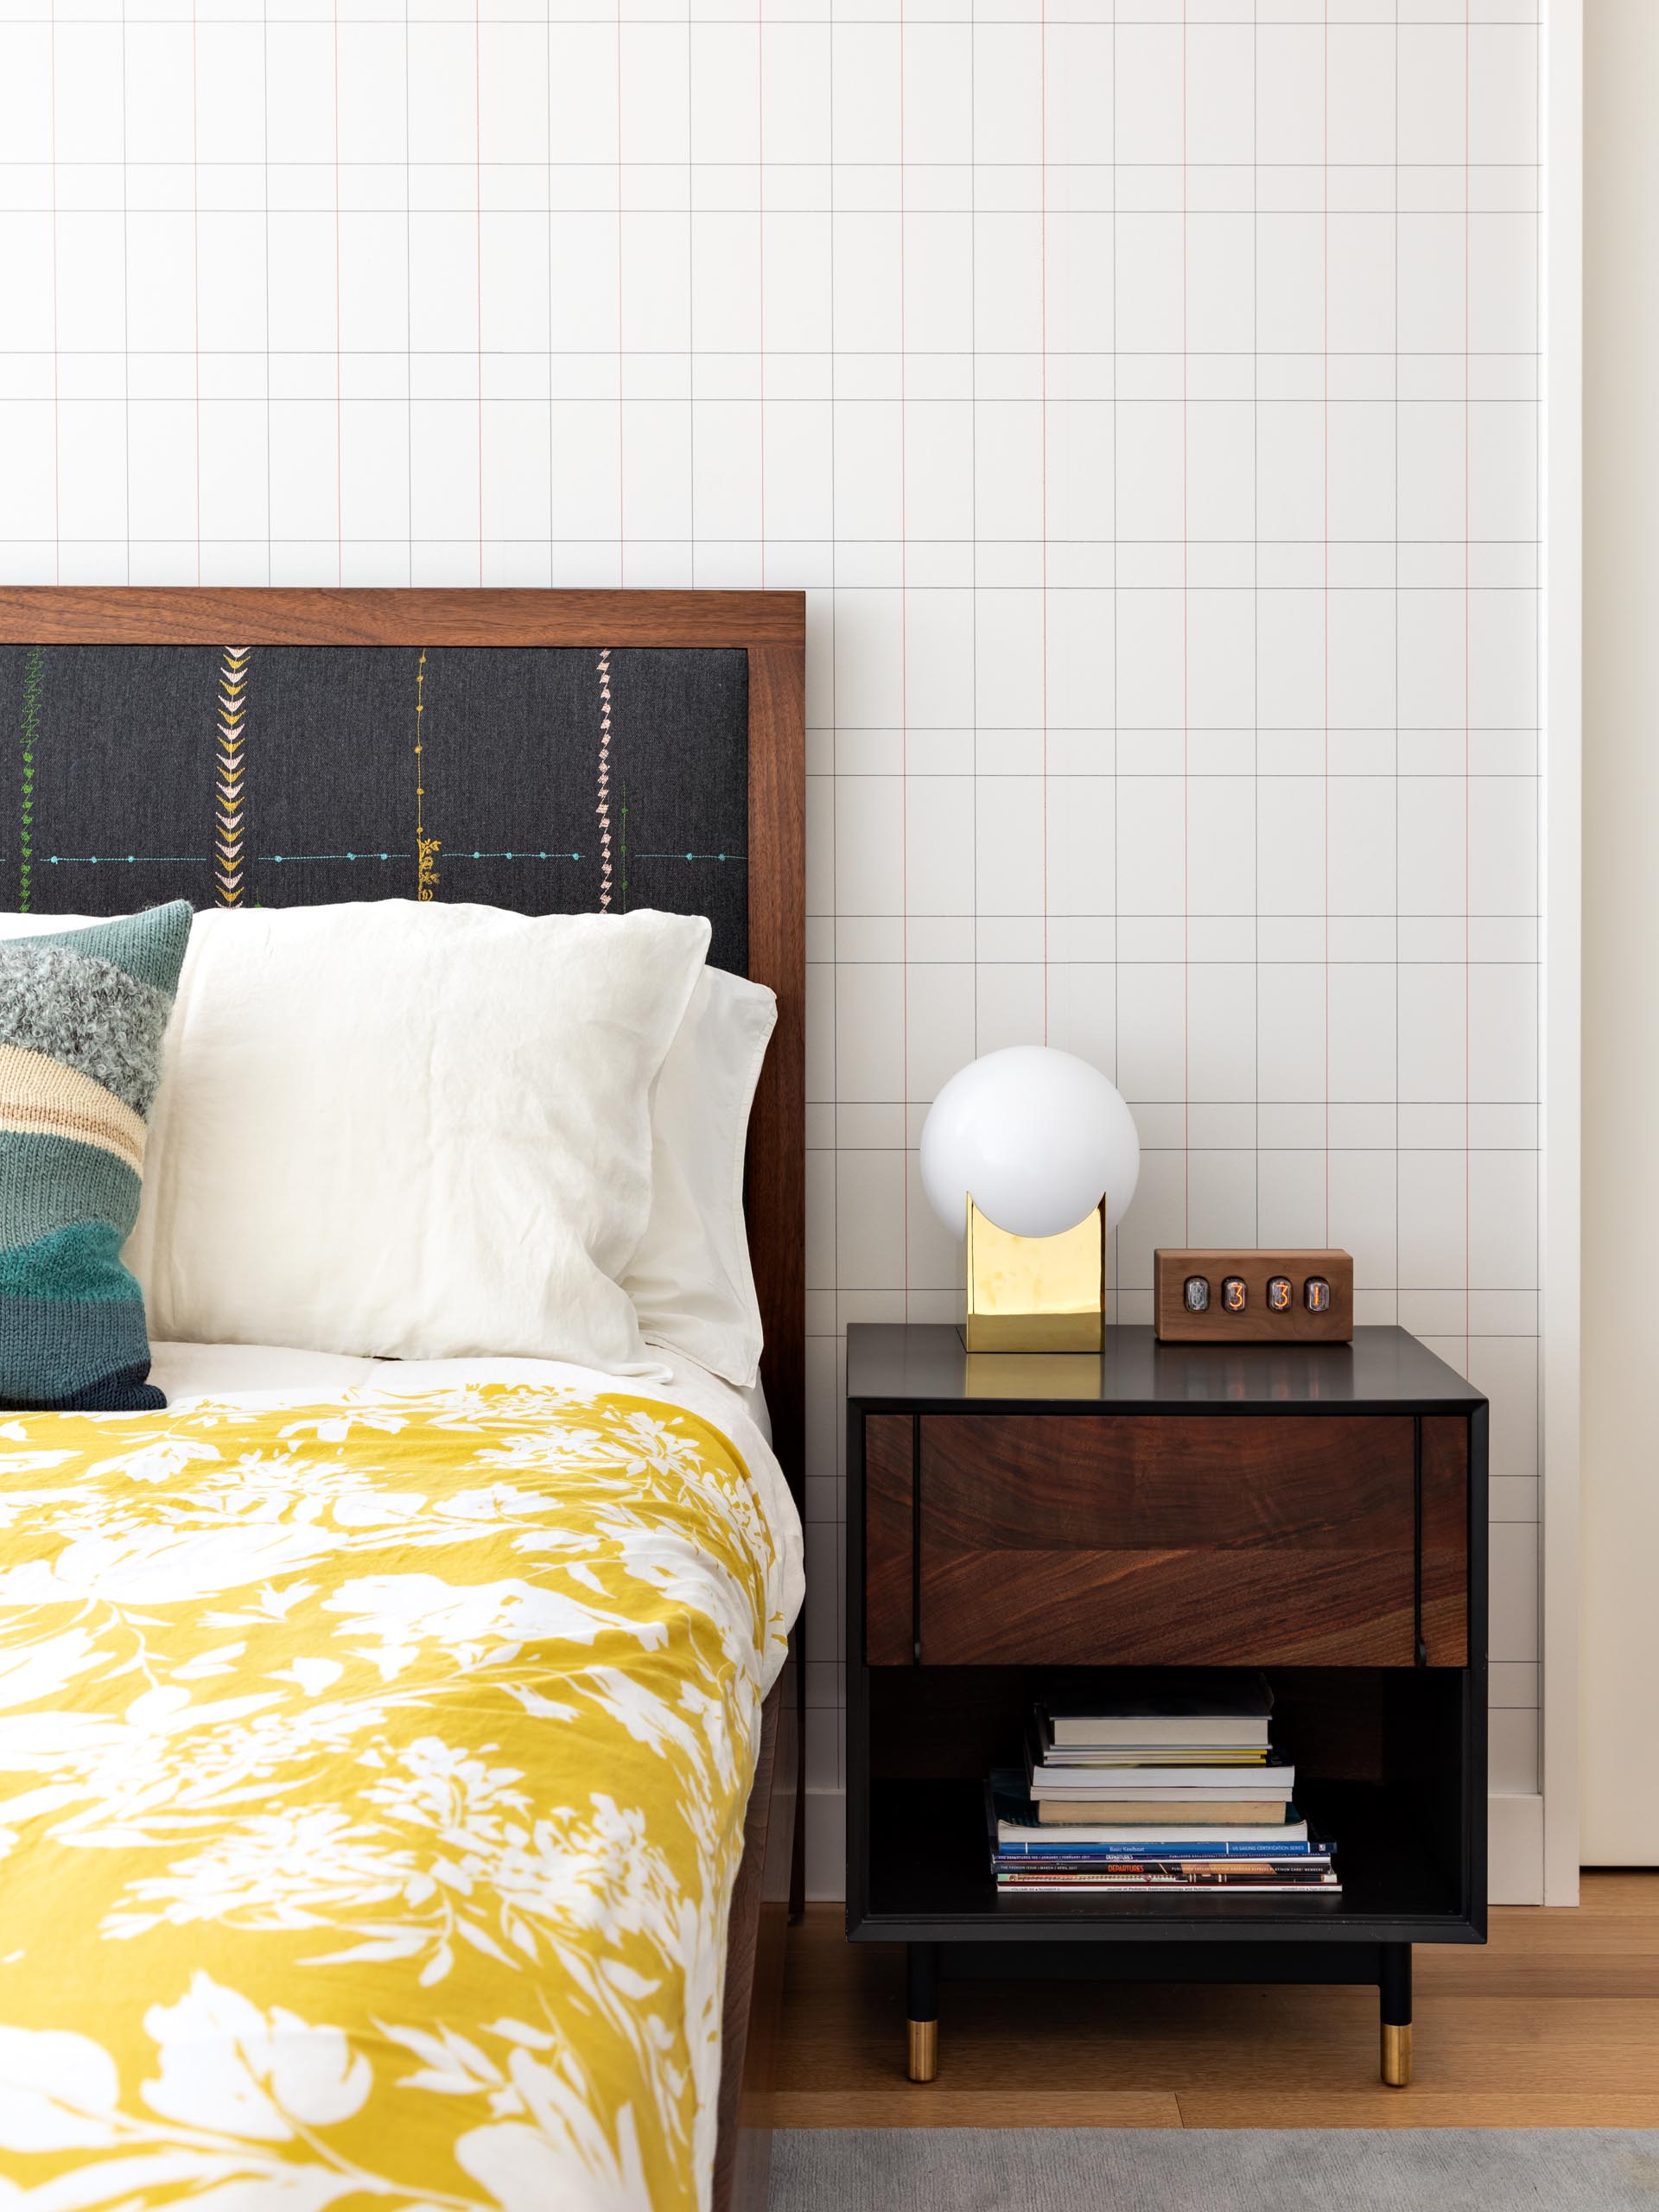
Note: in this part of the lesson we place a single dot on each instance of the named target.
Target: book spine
(1161, 1848)
(1145, 1889)
(1173, 1873)
(1268, 1790)
(1154, 1775)
(1232, 1869)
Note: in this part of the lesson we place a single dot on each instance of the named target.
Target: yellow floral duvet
(372, 1789)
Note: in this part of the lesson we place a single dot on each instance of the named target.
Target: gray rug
(1215, 2170)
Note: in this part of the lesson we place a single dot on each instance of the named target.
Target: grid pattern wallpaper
(1146, 395)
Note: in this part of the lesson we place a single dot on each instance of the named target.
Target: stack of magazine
(1156, 1786)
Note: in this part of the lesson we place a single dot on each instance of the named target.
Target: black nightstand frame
(1412, 1837)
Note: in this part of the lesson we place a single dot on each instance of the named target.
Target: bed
(606, 751)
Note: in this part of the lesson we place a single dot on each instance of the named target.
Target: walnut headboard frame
(769, 626)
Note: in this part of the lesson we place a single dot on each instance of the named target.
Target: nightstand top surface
(925, 1364)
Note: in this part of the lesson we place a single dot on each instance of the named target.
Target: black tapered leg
(922, 2007)
(1393, 1987)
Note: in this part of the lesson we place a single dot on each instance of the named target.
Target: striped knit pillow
(82, 1015)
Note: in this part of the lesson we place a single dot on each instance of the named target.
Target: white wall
(1146, 397)
(1620, 1740)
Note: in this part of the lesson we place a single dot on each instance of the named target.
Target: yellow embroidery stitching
(426, 848)
(229, 768)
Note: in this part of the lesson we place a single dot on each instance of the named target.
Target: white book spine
(1156, 1782)
(1178, 1842)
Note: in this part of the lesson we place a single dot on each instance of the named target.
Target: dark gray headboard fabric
(548, 779)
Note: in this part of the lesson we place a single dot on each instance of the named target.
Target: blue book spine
(1129, 1854)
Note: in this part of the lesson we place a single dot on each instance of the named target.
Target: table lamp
(1031, 1153)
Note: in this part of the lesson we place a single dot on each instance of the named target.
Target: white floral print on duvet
(372, 1791)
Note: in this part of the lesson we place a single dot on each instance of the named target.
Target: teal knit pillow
(82, 1016)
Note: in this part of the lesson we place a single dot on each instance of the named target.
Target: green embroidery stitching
(34, 684)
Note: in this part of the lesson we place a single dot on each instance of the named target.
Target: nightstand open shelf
(1378, 1752)
(929, 1882)
(1018, 1529)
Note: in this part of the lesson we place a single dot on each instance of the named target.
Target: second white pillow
(419, 1131)
(690, 1280)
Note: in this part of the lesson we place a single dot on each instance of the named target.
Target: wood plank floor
(1553, 2023)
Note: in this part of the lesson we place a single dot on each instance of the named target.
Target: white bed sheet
(275, 1375)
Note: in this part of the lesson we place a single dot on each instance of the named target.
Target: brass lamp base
(1036, 1293)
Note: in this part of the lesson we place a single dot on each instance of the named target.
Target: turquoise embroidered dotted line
(126, 860)
(404, 856)
(123, 860)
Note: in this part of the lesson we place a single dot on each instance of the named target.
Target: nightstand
(1017, 1525)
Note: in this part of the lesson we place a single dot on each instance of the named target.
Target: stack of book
(1152, 1789)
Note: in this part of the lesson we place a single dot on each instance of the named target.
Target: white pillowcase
(690, 1280)
(420, 1131)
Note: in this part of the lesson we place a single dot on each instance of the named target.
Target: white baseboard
(1515, 1842)
(826, 1844)
(1514, 1850)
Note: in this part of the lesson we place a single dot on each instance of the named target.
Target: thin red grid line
(1467, 1023)
(57, 434)
(339, 441)
(1042, 258)
(621, 529)
(1187, 902)
(760, 233)
(904, 693)
(1324, 622)
(195, 272)
(478, 249)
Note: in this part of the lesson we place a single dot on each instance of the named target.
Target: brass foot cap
(923, 2050)
(1397, 2056)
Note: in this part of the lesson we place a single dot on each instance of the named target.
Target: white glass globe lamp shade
(1035, 1137)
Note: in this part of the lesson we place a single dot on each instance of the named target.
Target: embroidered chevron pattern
(228, 770)
(603, 807)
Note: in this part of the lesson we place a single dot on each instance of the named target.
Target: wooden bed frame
(770, 627)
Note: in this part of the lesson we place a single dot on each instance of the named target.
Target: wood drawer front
(1073, 1540)
(889, 1548)
(1445, 1540)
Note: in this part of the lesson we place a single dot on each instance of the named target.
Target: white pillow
(690, 1280)
(420, 1131)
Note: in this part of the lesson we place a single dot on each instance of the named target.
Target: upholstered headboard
(553, 752)
(548, 778)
